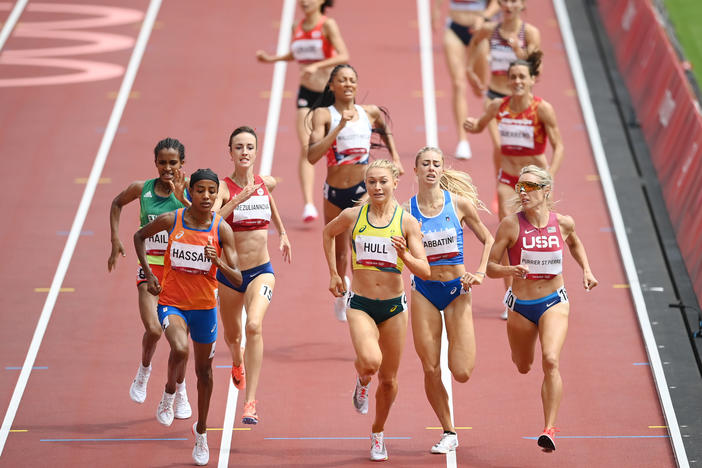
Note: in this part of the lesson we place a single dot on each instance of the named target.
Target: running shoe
(547, 440)
(378, 451)
(164, 412)
(239, 376)
(360, 397)
(463, 150)
(181, 405)
(340, 302)
(504, 314)
(309, 213)
(201, 452)
(137, 391)
(448, 443)
(249, 415)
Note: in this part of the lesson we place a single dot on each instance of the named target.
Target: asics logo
(362, 229)
(453, 291)
(393, 309)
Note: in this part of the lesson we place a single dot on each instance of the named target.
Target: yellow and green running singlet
(371, 245)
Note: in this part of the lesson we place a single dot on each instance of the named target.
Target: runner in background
(341, 131)
(465, 64)
(317, 46)
(156, 196)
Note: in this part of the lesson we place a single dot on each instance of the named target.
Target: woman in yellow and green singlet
(384, 240)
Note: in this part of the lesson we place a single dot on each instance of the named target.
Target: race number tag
(266, 292)
(516, 132)
(375, 251)
(440, 244)
(189, 258)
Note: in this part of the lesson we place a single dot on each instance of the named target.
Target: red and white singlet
(541, 249)
(254, 213)
(523, 133)
(311, 46)
(501, 53)
(352, 145)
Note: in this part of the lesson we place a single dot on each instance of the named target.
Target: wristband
(482, 273)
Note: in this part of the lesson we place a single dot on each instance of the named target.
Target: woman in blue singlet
(445, 202)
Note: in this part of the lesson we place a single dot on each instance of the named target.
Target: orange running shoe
(249, 415)
(547, 440)
(239, 376)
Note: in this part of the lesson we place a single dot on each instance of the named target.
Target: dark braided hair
(532, 62)
(242, 129)
(327, 3)
(327, 99)
(170, 143)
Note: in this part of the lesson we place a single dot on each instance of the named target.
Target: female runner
(341, 130)
(156, 196)
(246, 204)
(525, 123)
(533, 238)
(446, 201)
(317, 46)
(509, 40)
(187, 297)
(464, 19)
(383, 241)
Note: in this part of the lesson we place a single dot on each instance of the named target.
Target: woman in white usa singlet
(341, 131)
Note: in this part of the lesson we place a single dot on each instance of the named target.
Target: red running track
(198, 80)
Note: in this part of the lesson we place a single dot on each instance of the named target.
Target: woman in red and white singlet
(248, 207)
(317, 46)
(508, 40)
(534, 239)
(341, 132)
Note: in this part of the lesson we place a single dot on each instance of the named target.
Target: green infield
(686, 16)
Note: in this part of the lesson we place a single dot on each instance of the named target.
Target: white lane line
(432, 139)
(10, 25)
(427, 59)
(270, 134)
(79, 219)
(620, 232)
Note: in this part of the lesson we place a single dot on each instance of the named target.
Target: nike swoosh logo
(550, 304)
(529, 231)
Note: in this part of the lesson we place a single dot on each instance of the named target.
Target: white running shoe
(201, 452)
(360, 397)
(463, 150)
(137, 392)
(164, 412)
(504, 314)
(309, 213)
(181, 405)
(448, 443)
(378, 451)
(340, 302)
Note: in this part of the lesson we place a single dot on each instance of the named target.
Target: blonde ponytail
(461, 184)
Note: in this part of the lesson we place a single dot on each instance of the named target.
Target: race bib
(441, 244)
(500, 58)
(375, 251)
(254, 211)
(307, 50)
(543, 263)
(157, 244)
(516, 132)
(189, 258)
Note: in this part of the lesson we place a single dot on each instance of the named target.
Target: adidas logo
(360, 189)
(148, 194)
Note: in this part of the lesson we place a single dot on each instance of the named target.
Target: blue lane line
(605, 437)
(331, 438)
(642, 364)
(20, 367)
(108, 440)
(223, 367)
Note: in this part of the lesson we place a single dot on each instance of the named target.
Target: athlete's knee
(152, 333)
(461, 373)
(523, 365)
(179, 351)
(369, 365)
(431, 370)
(458, 83)
(254, 328)
(550, 362)
(204, 373)
(387, 383)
